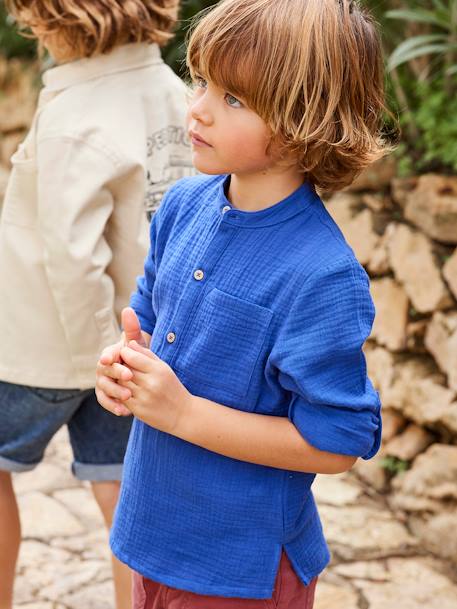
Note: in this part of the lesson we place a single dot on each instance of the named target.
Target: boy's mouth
(197, 140)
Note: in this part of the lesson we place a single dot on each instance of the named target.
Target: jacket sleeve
(320, 362)
(162, 220)
(74, 207)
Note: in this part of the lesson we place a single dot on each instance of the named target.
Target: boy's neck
(253, 192)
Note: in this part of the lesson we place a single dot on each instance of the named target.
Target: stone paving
(377, 564)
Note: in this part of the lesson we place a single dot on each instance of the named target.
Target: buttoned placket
(199, 283)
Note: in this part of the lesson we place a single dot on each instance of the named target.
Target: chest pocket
(224, 342)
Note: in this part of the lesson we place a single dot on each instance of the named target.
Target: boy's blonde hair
(91, 27)
(311, 69)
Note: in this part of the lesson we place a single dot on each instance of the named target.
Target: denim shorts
(30, 416)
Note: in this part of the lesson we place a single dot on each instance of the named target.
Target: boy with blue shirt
(248, 375)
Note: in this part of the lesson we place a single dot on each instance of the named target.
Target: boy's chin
(208, 168)
(211, 173)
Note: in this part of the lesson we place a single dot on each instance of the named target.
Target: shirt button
(171, 337)
(226, 208)
(198, 275)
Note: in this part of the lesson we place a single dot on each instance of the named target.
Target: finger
(138, 379)
(113, 389)
(137, 360)
(111, 405)
(110, 355)
(131, 404)
(123, 411)
(131, 325)
(115, 371)
(144, 350)
(130, 385)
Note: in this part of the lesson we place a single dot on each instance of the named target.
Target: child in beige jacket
(107, 140)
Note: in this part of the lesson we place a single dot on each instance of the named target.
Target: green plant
(394, 465)
(423, 77)
(175, 53)
(442, 42)
(11, 43)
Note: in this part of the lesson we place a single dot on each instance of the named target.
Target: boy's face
(227, 137)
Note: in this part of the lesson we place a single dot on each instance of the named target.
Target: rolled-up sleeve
(321, 363)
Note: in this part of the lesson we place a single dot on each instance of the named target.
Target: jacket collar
(126, 57)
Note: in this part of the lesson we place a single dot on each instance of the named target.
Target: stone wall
(404, 231)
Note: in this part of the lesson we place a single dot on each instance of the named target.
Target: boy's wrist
(187, 418)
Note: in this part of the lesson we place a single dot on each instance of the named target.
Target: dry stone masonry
(405, 233)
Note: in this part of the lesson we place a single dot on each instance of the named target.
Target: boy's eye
(200, 82)
(233, 101)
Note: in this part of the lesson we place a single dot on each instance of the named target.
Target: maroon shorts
(289, 593)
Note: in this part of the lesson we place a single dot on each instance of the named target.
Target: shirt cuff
(338, 430)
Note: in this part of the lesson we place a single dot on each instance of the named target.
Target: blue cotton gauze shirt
(273, 324)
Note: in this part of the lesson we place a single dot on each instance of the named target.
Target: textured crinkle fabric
(265, 312)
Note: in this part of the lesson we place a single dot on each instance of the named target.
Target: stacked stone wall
(404, 231)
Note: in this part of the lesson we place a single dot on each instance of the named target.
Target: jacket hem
(75, 380)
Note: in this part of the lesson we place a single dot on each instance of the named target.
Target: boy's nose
(199, 111)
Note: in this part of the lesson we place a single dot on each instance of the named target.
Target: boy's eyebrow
(196, 73)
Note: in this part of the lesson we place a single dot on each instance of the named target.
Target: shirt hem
(191, 586)
(208, 589)
(305, 578)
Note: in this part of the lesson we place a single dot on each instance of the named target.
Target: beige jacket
(108, 139)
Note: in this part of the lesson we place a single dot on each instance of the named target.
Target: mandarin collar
(125, 57)
(295, 203)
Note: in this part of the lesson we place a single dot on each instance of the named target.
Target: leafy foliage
(436, 119)
(443, 42)
(11, 44)
(394, 465)
(175, 52)
(423, 71)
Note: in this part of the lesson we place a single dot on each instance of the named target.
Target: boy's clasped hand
(130, 379)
